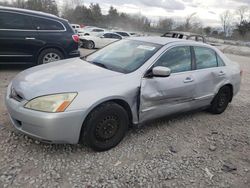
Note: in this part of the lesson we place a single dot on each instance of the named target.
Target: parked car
(131, 81)
(185, 35)
(86, 31)
(31, 37)
(99, 40)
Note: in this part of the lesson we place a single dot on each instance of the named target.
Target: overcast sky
(207, 10)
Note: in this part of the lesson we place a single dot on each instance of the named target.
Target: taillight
(75, 38)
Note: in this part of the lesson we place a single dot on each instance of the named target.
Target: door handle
(188, 80)
(29, 38)
(221, 73)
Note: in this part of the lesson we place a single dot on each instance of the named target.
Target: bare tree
(226, 21)
(165, 24)
(190, 20)
(242, 12)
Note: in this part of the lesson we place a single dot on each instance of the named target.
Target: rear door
(166, 95)
(210, 74)
(18, 38)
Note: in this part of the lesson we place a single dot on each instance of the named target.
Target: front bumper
(64, 127)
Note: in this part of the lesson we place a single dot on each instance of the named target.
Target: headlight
(51, 103)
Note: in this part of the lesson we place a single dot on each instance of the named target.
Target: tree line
(234, 24)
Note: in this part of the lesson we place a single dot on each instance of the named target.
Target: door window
(15, 21)
(205, 58)
(107, 35)
(220, 61)
(178, 59)
(114, 36)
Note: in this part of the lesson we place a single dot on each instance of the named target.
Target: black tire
(221, 101)
(90, 45)
(57, 54)
(105, 127)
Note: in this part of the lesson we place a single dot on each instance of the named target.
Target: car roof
(31, 12)
(165, 40)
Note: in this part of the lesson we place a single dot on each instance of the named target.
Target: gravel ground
(192, 150)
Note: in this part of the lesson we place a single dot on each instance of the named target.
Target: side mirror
(160, 71)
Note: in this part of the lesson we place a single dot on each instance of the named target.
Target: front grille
(15, 95)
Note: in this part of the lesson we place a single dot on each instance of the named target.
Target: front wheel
(221, 101)
(105, 127)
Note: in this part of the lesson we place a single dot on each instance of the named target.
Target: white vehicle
(76, 27)
(90, 31)
(100, 40)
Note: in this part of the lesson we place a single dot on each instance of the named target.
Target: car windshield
(124, 56)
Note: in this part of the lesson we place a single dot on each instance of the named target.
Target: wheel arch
(231, 90)
(118, 101)
(48, 47)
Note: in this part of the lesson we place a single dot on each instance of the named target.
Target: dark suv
(34, 37)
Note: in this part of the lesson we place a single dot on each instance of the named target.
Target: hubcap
(222, 99)
(106, 128)
(50, 57)
(91, 45)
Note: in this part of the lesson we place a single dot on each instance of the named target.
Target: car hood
(71, 75)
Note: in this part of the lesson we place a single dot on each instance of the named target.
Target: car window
(97, 30)
(124, 56)
(114, 36)
(15, 21)
(47, 24)
(178, 59)
(205, 58)
(107, 35)
(123, 34)
(220, 61)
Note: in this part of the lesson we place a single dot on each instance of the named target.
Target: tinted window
(114, 36)
(178, 59)
(107, 35)
(46, 24)
(205, 58)
(123, 34)
(97, 30)
(220, 61)
(15, 21)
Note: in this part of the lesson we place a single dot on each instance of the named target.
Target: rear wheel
(105, 127)
(50, 55)
(221, 100)
(90, 45)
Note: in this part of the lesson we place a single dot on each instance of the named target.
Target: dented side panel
(163, 96)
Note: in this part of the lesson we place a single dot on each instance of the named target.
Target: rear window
(205, 58)
(47, 24)
(15, 21)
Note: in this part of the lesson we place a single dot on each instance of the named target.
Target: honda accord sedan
(95, 99)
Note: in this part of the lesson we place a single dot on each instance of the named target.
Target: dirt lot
(193, 150)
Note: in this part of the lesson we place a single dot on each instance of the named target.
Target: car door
(18, 42)
(166, 95)
(209, 75)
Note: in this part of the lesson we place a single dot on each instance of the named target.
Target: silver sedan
(95, 99)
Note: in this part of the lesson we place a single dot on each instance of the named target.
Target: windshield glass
(124, 56)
